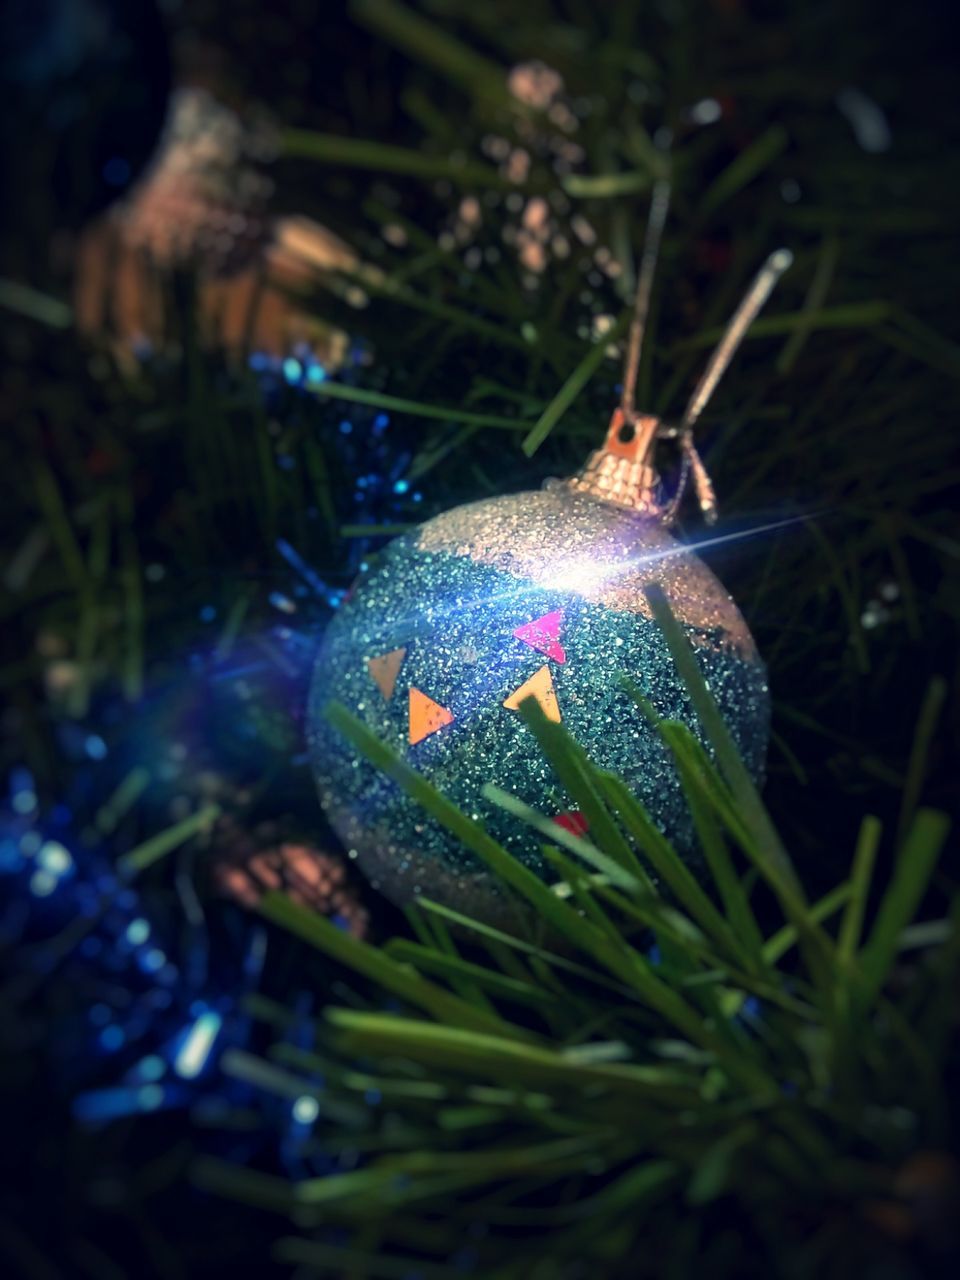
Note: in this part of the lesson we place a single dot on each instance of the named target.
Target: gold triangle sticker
(426, 716)
(385, 669)
(539, 686)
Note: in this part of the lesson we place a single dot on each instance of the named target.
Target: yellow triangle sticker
(384, 670)
(426, 716)
(539, 686)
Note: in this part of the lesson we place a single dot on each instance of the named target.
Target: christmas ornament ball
(537, 593)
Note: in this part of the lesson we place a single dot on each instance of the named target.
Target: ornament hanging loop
(622, 471)
(659, 207)
(739, 323)
(691, 465)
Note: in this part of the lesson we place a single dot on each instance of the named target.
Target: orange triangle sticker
(543, 634)
(426, 716)
(539, 686)
(384, 670)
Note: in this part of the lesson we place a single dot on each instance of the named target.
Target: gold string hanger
(622, 471)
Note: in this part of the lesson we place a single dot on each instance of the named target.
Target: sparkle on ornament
(579, 574)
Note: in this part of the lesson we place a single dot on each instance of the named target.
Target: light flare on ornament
(577, 575)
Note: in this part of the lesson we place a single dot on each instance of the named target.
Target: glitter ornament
(533, 595)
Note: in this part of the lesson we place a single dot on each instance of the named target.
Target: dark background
(855, 608)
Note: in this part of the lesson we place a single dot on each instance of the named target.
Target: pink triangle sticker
(543, 634)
